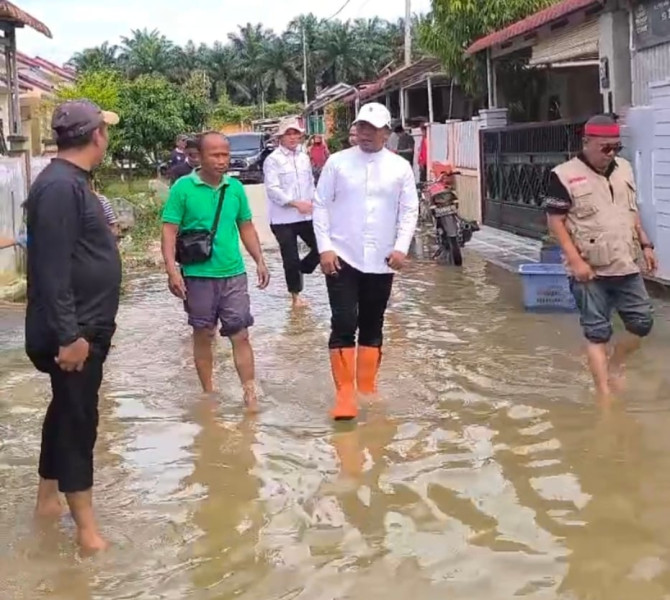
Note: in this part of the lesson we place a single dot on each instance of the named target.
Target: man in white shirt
(289, 187)
(365, 214)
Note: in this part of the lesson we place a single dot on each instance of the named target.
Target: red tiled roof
(33, 83)
(47, 64)
(531, 23)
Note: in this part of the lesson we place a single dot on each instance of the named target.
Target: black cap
(76, 118)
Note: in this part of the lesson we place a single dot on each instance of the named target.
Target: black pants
(70, 426)
(357, 302)
(287, 235)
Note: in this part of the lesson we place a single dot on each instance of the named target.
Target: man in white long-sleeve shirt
(289, 186)
(365, 214)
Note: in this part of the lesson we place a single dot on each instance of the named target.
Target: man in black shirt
(74, 282)
(185, 167)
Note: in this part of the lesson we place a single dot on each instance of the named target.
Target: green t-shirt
(192, 205)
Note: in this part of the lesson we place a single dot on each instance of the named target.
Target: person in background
(422, 159)
(191, 163)
(592, 212)
(405, 147)
(392, 142)
(215, 290)
(365, 214)
(318, 155)
(353, 136)
(74, 285)
(289, 186)
(108, 210)
(178, 155)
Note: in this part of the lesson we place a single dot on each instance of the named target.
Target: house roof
(13, 14)
(47, 64)
(531, 23)
(403, 75)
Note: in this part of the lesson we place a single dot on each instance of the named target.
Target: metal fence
(516, 163)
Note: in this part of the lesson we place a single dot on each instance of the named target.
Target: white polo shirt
(288, 178)
(366, 206)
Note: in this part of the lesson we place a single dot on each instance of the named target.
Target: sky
(79, 24)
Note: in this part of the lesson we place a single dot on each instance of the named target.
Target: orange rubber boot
(343, 366)
(367, 367)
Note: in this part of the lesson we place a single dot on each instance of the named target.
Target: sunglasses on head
(611, 148)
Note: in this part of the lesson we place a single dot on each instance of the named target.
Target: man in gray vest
(591, 207)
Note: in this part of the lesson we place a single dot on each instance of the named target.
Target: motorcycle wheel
(454, 251)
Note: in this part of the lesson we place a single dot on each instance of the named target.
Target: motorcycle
(452, 232)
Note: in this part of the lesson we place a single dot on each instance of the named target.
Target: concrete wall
(12, 196)
(647, 146)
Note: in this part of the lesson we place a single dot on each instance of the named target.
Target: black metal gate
(517, 161)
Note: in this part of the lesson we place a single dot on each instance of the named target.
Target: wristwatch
(647, 245)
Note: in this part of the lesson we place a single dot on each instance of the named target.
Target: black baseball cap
(76, 118)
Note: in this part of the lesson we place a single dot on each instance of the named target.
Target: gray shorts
(212, 300)
(599, 298)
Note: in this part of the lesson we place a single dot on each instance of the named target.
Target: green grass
(115, 188)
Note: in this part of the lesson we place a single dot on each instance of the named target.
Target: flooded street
(484, 472)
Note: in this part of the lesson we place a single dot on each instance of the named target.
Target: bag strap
(217, 216)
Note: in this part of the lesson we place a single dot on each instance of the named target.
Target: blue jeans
(598, 298)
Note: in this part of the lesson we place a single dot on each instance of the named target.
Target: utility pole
(304, 66)
(408, 32)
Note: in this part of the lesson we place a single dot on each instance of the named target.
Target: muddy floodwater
(484, 472)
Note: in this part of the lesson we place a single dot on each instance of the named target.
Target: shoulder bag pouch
(194, 246)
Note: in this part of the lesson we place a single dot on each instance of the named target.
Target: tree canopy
(256, 65)
(454, 24)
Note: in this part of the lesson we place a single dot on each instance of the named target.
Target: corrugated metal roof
(12, 13)
(531, 23)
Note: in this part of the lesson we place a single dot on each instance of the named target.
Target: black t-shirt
(179, 170)
(74, 267)
(176, 157)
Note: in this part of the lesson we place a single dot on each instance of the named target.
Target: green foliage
(102, 87)
(454, 24)
(225, 112)
(195, 93)
(151, 111)
(257, 65)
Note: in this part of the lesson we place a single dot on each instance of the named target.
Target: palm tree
(98, 58)
(225, 70)
(249, 44)
(278, 62)
(148, 52)
(341, 55)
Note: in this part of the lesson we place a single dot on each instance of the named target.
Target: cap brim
(293, 127)
(110, 118)
(375, 124)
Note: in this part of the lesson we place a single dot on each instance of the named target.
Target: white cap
(376, 114)
(290, 123)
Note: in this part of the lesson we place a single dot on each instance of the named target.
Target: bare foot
(91, 542)
(49, 509)
(250, 398)
(298, 302)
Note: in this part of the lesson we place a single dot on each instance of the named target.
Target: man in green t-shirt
(215, 291)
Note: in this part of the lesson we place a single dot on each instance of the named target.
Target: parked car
(248, 152)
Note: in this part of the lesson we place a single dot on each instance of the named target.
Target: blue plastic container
(545, 287)
(551, 255)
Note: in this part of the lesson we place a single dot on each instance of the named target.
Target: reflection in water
(484, 472)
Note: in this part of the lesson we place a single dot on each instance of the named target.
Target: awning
(572, 43)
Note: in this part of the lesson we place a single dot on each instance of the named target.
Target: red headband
(609, 130)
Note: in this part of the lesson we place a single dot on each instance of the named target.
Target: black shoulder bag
(194, 246)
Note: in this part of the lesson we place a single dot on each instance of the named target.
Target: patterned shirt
(110, 215)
